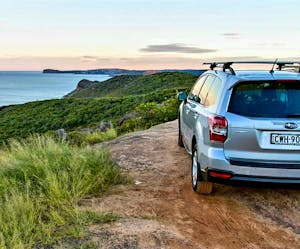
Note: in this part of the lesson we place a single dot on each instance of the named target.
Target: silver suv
(242, 125)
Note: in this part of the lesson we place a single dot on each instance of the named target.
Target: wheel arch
(180, 111)
(194, 142)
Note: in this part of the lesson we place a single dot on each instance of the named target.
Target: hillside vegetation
(109, 100)
(133, 85)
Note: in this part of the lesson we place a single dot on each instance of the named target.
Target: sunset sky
(144, 34)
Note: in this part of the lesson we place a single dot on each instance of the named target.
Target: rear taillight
(220, 175)
(218, 128)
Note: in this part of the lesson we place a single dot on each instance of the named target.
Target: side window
(204, 91)
(213, 93)
(197, 87)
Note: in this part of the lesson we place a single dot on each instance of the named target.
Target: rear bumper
(246, 171)
(264, 164)
(235, 178)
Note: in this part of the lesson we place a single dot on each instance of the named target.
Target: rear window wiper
(293, 115)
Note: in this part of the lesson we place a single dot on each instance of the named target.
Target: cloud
(271, 44)
(176, 48)
(231, 35)
(88, 58)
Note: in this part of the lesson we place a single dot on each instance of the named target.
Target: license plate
(285, 139)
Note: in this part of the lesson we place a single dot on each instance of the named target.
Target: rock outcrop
(83, 84)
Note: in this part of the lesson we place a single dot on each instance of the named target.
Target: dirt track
(162, 211)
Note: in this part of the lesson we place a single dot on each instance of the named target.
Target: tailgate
(264, 122)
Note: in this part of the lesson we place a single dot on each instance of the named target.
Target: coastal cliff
(106, 71)
(118, 71)
(83, 84)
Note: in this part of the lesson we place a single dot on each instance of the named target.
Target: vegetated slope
(43, 116)
(133, 85)
(73, 113)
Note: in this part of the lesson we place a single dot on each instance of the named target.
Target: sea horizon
(19, 87)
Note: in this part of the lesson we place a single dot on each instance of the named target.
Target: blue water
(22, 87)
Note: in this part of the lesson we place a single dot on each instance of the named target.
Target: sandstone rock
(104, 126)
(61, 133)
(85, 84)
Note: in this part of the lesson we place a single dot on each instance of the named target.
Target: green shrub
(150, 114)
(80, 138)
(41, 182)
(169, 110)
(98, 136)
(130, 125)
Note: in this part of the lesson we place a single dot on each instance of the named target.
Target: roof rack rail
(281, 65)
(290, 67)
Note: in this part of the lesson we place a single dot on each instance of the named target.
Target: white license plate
(285, 139)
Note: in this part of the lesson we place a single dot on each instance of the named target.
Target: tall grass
(41, 181)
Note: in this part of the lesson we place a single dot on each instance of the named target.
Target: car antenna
(275, 62)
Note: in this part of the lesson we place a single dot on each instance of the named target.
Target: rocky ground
(161, 211)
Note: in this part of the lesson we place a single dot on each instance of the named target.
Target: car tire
(198, 184)
(180, 142)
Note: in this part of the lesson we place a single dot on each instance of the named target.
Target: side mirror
(182, 96)
(196, 99)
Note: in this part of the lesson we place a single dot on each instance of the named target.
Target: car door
(189, 110)
(209, 95)
(198, 111)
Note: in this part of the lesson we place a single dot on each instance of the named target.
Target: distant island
(118, 71)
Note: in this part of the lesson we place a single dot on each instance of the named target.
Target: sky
(144, 34)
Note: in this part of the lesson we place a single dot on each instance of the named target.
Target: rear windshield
(277, 99)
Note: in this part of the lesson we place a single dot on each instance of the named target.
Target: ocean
(22, 87)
